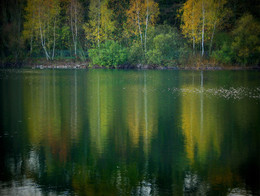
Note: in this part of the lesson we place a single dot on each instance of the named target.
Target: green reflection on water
(129, 132)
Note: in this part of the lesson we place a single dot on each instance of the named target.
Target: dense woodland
(112, 33)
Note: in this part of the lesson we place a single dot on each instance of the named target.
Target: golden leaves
(101, 24)
(192, 16)
(137, 13)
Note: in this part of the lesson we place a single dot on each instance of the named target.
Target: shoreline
(146, 67)
(63, 65)
(207, 68)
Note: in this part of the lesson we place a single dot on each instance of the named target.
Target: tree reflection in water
(128, 132)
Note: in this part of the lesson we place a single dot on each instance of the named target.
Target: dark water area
(117, 132)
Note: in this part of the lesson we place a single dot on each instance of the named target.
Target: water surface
(115, 132)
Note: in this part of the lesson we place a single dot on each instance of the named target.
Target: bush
(246, 44)
(242, 46)
(165, 49)
(225, 54)
(109, 54)
(136, 53)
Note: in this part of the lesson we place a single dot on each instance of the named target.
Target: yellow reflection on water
(200, 124)
(141, 115)
(52, 114)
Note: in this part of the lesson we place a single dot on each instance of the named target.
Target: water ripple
(236, 93)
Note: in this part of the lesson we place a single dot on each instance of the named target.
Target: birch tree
(200, 19)
(141, 15)
(40, 23)
(75, 14)
(107, 23)
(217, 15)
(101, 25)
(203, 27)
(190, 21)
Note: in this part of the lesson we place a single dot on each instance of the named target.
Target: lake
(129, 132)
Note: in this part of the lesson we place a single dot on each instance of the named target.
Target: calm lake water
(116, 132)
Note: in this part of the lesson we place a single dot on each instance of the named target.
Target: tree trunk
(43, 39)
(212, 36)
(54, 39)
(99, 10)
(31, 48)
(76, 28)
(214, 28)
(146, 25)
(71, 24)
(139, 27)
(193, 45)
(203, 28)
(193, 36)
(43, 44)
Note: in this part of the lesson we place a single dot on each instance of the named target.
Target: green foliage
(243, 47)
(246, 44)
(136, 53)
(225, 54)
(109, 54)
(166, 48)
(222, 38)
(62, 29)
(63, 37)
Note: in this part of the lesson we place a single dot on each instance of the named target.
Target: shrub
(165, 49)
(136, 53)
(225, 54)
(246, 40)
(109, 54)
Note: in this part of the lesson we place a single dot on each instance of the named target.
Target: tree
(200, 19)
(119, 8)
(218, 13)
(101, 25)
(93, 26)
(40, 22)
(246, 44)
(141, 15)
(75, 13)
(11, 22)
(107, 21)
(191, 21)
